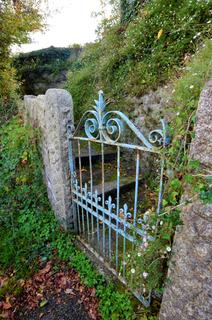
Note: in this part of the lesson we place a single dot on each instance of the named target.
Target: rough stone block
(52, 113)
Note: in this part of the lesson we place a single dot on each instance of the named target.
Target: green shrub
(129, 59)
(29, 231)
(179, 171)
(36, 66)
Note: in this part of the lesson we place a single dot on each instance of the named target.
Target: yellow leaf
(160, 34)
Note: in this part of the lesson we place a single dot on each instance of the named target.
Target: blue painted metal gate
(111, 227)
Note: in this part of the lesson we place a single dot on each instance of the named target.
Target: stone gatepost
(189, 294)
(53, 114)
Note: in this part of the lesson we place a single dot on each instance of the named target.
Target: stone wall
(46, 68)
(188, 296)
(52, 113)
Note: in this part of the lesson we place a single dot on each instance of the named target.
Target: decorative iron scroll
(107, 226)
(109, 126)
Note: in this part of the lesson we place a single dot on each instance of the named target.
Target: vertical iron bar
(160, 196)
(103, 197)
(97, 219)
(73, 178)
(91, 187)
(87, 216)
(80, 175)
(135, 205)
(136, 189)
(124, 247)
(78, 209)
(117, 206)
(110, 206)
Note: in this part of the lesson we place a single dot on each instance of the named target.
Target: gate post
(59, 116)
(53, 114)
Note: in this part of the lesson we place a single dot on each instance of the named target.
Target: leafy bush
(132, 58)
(29, 230)
(40, 65)
(183, 104)
(179, 171)
(17, 21)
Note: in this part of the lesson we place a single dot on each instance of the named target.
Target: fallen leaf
(69, 291)
(5, 315)
(46, 269)
(7, 305)
(93, 292)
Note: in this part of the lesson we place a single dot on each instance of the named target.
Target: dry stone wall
(188, 296)
(53, 113)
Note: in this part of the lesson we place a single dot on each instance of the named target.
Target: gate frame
(105, 126)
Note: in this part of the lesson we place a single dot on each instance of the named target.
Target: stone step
(110, 187)
(109, 155)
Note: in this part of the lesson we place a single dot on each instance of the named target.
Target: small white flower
(191, 87)
(153, 227)
(161, 222)
(139, 254)
(145, 244)
(168, 249)
(146, 216)
(145, 275)
(177, 113)
(128, 255)
(133, 270)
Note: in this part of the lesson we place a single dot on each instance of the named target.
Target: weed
(29, 231)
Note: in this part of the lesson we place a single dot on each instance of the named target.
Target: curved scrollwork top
(110, 126)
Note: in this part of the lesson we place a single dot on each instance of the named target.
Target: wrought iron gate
(109, 225)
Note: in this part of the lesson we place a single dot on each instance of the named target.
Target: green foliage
(38, 66)
(129, 9)
(132, 58)
(129, 60)
(28, 229)
(184, 103)
(17, 20)
(23, 207)
(180, 170)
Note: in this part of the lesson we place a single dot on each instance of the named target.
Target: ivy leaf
(173, 197)
(166, 236)
(189, 178)
(176, 184)
(194, 164)
(165, 202)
